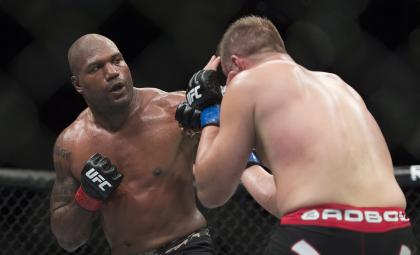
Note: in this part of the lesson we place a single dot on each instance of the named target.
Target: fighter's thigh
(398, 242)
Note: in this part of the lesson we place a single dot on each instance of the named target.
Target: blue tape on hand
(210, 115)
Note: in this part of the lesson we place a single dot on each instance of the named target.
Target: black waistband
(177, 243)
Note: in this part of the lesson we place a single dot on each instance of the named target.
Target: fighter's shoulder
(163, 98)
(64, 145)
(331, 76)
(266, 71)
(70, 134)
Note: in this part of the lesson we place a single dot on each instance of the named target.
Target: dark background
(374, 45)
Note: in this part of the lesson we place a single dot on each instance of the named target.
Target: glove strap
(87, 202)
(210, 116)
(253, 160)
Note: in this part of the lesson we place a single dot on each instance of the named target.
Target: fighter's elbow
(272, 209)
(269, 203)
(210, 200)
(70, 244)
(68, 240)
(266, 198)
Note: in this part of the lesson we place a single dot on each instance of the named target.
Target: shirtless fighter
(332, 185)
(126, 160)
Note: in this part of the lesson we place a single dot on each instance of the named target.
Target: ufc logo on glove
(193, 94)
(93, 175)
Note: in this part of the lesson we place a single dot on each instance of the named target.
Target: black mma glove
(203, 89)
(205, 93)
(99, 179)
(188, 117)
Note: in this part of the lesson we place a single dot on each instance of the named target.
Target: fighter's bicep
(62, 157)
(65, 184)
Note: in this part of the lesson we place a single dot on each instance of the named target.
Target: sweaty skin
(155, 202)
(310, 128)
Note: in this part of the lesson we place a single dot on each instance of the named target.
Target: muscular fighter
(332, 179)
(126, 160)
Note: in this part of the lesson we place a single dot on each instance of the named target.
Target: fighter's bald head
(84, 45)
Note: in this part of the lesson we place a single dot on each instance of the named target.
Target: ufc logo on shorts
(96, 177)
(193, 95)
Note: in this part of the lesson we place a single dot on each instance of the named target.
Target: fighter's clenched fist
(98, 180)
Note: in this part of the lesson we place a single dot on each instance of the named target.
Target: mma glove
(204, 93)
(99, 179)
(188, 117)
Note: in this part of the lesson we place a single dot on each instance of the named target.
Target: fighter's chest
(146, 150)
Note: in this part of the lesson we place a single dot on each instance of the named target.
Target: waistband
(178, 243)
(361, 219)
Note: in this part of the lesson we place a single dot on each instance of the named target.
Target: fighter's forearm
(208, 195)
(208, 135)
(71, 225)
(260, 184)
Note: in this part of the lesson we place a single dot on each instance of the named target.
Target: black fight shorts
(197, 243)
(338, 229)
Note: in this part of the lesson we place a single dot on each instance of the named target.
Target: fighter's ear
(76, 84)
(239, 63)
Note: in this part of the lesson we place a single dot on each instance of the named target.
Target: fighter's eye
(117, 60)
(93, 68)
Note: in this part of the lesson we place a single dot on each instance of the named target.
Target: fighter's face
(104, 78)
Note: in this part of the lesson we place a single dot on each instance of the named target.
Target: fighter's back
(320, 141)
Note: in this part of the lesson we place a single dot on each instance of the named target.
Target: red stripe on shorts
(361, 219)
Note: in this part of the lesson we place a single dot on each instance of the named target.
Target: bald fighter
(125, 160)
(332, 179)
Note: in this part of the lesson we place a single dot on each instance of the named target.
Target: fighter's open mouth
(117, 87)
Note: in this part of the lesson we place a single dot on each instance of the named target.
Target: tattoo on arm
(63, 153)
(64, 185)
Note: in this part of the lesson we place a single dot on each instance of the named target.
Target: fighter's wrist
(210, 115)
(87, 202)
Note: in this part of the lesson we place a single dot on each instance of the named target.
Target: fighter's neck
(115, 120)
(269, 56)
